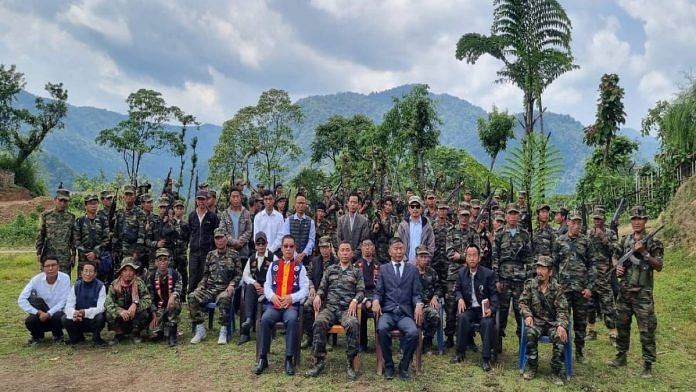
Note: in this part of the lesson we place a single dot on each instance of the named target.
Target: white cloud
(654, 86)
(86, 14)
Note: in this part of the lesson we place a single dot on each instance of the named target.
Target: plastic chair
(441, 329)
(210, 308)
(567, 356)
(337, 329)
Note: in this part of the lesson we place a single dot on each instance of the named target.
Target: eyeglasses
(261, 243)
(288, 246)
(414, 206)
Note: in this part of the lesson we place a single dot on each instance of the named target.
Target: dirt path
(10, 209)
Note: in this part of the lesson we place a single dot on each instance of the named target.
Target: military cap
(146, 197)
(202, 185)
(325, 241)
(562, 210)
(512, 208)
(494, 205)
(63, 194)
(260, 236)
(544, 261)
(164, 201)
(320, 206)
(219, 232)
(90, 197)
(422, 250)
(106, 194)
(598, 213)
(442, 206)
(499, 218)
(212, 193)
(475, 203)
(467, 192)
(179, 203)
(639, 212)
(464, 211)
(415, 199)
(522, 193)
(464, 205)
(429, 192)
(575, 215)
(543, 206)
(162, 252)
(128, 189)
(281, 197)
(202, 194)
(127, 262)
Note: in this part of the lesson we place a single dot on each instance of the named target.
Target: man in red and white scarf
(128, 303)
(165, 286)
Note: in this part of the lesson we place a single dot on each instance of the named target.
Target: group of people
(339, 263)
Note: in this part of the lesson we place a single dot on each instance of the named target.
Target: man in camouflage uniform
(181, 245)
(457, 241)
(91, 236)
(636, 288)
(150, 220)
(603, 245)
(431, 292)
(441, 229)
(165, 288)
(576, 274)
(316, 267)
(343, 289)
(544, 307)
(107, 198)
(383, 229)
(325, 227)
(128, 303)
(513, 263)
(161, 233)
(482, 240)
(221, 275)
(561, 218)
(129, 229)
(237, 224)
(430, 210)
(544, 236)
(56, 232)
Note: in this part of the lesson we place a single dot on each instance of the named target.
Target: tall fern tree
(532, 39)
(534, 165)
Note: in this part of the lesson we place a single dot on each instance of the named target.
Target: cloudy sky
(213, 57)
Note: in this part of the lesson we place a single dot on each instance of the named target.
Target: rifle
(454, 191)
(628, 258)
(583, 214)
(486, 206)
(112, 213)
(511, 195)
(614, 225)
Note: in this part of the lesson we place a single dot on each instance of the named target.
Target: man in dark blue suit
(477, 303)
(398, 305)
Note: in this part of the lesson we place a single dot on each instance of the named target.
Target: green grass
(208, 366)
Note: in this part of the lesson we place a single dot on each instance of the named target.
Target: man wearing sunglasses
(416, 230)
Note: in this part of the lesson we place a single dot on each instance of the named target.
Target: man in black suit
(353, 227)
(477, 302)
(398, 305)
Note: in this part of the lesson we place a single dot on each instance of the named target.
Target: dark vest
(260, 276)
(299, 228)
(87, 294)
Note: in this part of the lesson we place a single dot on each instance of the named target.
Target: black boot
(450, 342)
(427, 345)
(647, 370)
(246, 327)
(172, 336)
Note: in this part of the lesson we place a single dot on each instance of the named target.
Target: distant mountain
(72, 150)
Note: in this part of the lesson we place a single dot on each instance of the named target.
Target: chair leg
(419, 353)
(569, 353)
(211, 317)
(441, 330)
(523, 348)
(378, 354)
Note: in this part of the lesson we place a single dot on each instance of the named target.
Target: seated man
(165, 287)
(343, 289)
(369, 267)
(43, 298)
(477, 302)
(84, 310)
(128, 303)
(545, 310)
(398, 305)
(221, 274)
(254, 277)
(285, 289)
(315, 271)
(431, 292)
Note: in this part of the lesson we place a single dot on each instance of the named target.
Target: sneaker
(222, 337)
(137, 339)
(199, 335)
(33, 341)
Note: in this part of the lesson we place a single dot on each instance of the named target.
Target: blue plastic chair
(568, 354)
(441, 329)
(231, 325)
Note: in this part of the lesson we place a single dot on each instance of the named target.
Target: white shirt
(474, 301)
(401, 268)
(90, 313)
(300, 295)
(246, 274)
(272, 225)
(55, 294)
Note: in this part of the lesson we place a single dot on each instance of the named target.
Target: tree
(608, 175)
(534, 166)
(495, 132)
(179, 145)
(23, 131)
(237, 145)
(532, 39)
(411, 125)
(339, 133)
(610, 115)
(143, 132)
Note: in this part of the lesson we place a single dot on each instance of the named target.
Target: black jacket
(201, 234)
(484, 287)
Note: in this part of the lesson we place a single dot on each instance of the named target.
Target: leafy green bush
(21, 231)
(28, 175)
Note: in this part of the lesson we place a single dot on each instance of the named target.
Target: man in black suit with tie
(477, 302)
(398, 305)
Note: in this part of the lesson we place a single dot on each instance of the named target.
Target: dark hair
(50, 256)
(472, 245)
(395, 240)
(347, 243)
(387, 199)
(278, 185)
(89, 263)
(287, 236)
(267, 192)
(235, 189)
(354, 194)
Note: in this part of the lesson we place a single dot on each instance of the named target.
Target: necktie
(398, 271)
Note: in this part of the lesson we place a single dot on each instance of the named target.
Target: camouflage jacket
(130, 230)
(512, 256)
(90, 236)
(639, 275)
(116, 301)
(56, 235)
(542, 240)
(161, 230)
(601, 252)
(182, 237)
(441, 231)
(430, 285)
(457, 240)
(244, 232)
(549, 309)
(387, 230)
(325, 228)
(340, 286)
(220, 270)
(572, 265)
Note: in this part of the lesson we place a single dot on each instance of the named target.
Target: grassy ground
(208, 366)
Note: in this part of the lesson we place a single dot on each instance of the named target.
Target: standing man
(181, 245)
(325, 226)
(211, 201)
(398, 305)
(513, 263)
(561, 219)
(84, 309)
(430, 206)
(353, 227)
(416, 230)
(544, 236)
(343, 290)
(383, 229)
(201, 224)
(162, 233)
(129, 229)
(441, 229)
(545, 310)
(236, 222)
(431, 292)
(269, 221)
(56, 233)
(146, 258)
(636, 288)
(107, 198)
(285, 289)
(91, 235)
(302, 228)
(458, 239)
(477, 303)
(165, 288)
(576, 274)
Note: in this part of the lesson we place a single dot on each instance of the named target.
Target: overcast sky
(213, 57)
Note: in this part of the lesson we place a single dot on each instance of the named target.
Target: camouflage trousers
(533, 334)
(135, 326)
(602, 302)
(181, 265)
(431, 321)
(509, 290)
(440, 266)
(577, 304)
(326, 319)
(200, 297)
(450, 309)
(165, 318)
(639, 303)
